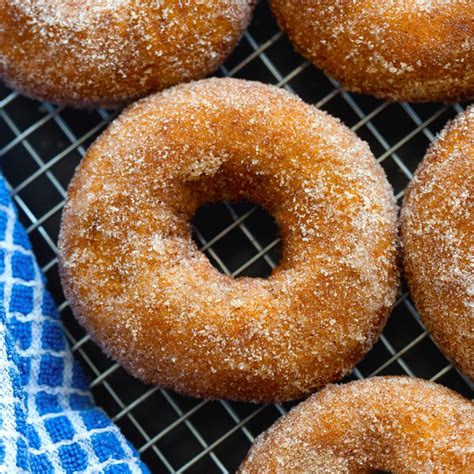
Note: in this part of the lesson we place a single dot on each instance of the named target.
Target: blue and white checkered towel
(48, 421)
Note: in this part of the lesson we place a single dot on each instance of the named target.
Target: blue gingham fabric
(48, 421)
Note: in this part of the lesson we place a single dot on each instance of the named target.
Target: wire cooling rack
(41, 144)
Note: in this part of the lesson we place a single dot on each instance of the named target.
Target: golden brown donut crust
(393, 424)
(136, 280)
(393, 49)
(89, 53)
(437, 231)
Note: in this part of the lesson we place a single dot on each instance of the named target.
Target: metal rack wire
(40, 145)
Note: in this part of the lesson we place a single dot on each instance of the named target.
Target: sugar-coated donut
(396, 50)
(137, 281)
(438, 231)
(108, 52)
(389, 424)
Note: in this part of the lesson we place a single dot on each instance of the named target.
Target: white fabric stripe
(7, 412)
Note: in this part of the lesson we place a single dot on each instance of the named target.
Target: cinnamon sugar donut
(438, 230)
(397, 50)
(107, 52)
(389, 424)
(137, 281)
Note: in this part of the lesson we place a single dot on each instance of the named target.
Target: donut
(137, 282)
(382, 424)
(88, 53)
(437, 224)
(397, 50)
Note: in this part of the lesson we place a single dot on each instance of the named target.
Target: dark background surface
(41, 144)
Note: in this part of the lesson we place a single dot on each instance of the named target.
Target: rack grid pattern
(41, 144)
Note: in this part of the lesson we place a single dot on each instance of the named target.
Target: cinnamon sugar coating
(412, 50)
(389, 424)
(138, 283)
(89, 53)
(438, 239)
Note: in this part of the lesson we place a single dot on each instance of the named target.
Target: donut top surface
(438, 237)
(414, 50)
(138, 282)
(107, 52)
(394, 424)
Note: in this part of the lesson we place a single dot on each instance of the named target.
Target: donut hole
(239, 238)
